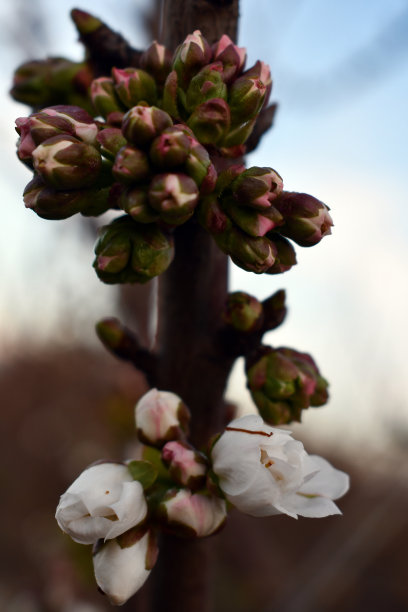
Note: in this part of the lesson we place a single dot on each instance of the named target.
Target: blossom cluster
(160, 143)
(120, 507)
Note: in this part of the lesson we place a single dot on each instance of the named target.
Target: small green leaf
(143, 471)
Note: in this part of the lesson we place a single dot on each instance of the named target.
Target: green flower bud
(131, 165)
(127, 252)
(171, 148)
(285, 254)
(134, 86)
(306, 219)
(253, 222)
(156, 60)
(104, 97)
(213, 218)
(248, 93)
(111, 140)
(238, 135)
(251, 254)
(66, 163)
(257, 187)
(48, 203)
(210, 121)
(232, 57)
(174, 196)
(243, 312)
(142, 124)
(282, 383)
(198, 165)
(135, 202)
(191, 55)
(170, 98)
(207, 84)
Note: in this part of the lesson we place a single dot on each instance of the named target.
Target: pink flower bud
(111, 140)
(193, 514)
(191, 55)
(174, 196)
(171, 148)
(243, 312)
(135, 202)
(210, 121)
(131, 165)
(142, 124)
(156, 60)
(104, 97)
(134, 86)
(161, 416)
(306, 219)
(187, 466)
(205, 85)
(232, 57)
(257, 187)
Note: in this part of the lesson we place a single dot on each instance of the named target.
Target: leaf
(143, 471)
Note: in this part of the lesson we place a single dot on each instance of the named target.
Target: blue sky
(341, 80)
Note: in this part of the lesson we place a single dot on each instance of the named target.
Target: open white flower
(263, 471)
(103, 502)
(121, 568)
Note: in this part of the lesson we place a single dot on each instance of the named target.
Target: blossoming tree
(159, 137)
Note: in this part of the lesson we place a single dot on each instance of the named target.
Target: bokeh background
(340, 75)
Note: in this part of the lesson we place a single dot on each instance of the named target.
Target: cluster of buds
(283, 382)
(121, 507)
(251, 219)
(208, 90)
(60, 144)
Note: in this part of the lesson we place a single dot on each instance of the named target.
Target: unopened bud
(191, 55)
(129, 253)
(306, 219)
(192, 514)
(243, 312)
(161, 416)
(110, 141)
(232, 57)
(187, 467)
(142, 124)
(198, 165)
(285, 254)
(133, 86)
(66, 163)
(171, 148)
(237, 136)
(251, 254)
(131, 165)
(246, 97)
(213, 218)
(257, 187)
(156, 60)
(174, 196)
(207, 84)
(104, 97)
(254, 222)
(170, 97)
(135, 202)
(210, 121)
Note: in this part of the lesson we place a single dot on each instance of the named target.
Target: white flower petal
(310, 506)
(327, 481)
(130, 509)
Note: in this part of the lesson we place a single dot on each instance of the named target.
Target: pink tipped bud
(131, 165)
(187, 466)
(170, 97)
(174, 196)
(251, 254)
(285, 254)
(111, 140)
(232, 57)
(134, 86)
(171, 148)
(142, 124)
(207, 84)
(254, 222)
(104, 97)
(136, 203)
(156, 60)
(66, 163)
(192, 514)
(198, 165)
(257, 187)
(306, 219)
(191, 55)
(161, 416)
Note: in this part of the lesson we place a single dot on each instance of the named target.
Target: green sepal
(144, 472)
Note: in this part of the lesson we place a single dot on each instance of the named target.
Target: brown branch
(263, 123)
(105, 47)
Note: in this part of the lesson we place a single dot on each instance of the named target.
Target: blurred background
(340, 75)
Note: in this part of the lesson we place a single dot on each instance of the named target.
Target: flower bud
(192, 514)
(232, 57)
(187, 466)
(257, 187)
(191, 55)
(282, 383)
(243, 312)
(213, 218)
(156, 60)
(104, 97)
(246, 97)
(306, 219)
(198, 165)
(129, 253)
(174, 196)
(134, 86)
(171, 148)
(210, 121)
(161, 416)
(110, 141)
(254, 222)
(131, 165)
(103, 502)
(123, 565)
(142, 124)
(170, 97)
(135, 203)
(205, 85)
(66, 163)
(285, 254)
(251, 254)
(237, 136)
(48, 203)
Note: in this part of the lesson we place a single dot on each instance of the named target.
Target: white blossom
(160, 416)
(103, 502)
(121, 571)
(263, 471)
